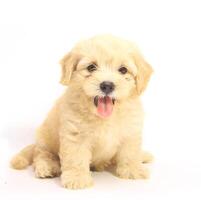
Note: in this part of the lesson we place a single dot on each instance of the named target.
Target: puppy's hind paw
(147, 157)
(44, 169)
(132, 172)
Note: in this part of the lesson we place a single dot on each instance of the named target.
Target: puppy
(98, 121)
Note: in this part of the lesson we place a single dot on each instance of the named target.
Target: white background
(34, 35)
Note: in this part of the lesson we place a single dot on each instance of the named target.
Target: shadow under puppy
(98, 121)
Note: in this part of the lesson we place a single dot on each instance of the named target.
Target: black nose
(107, 87)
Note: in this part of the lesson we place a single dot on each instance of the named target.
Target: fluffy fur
(73, 139)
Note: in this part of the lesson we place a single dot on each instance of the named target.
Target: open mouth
(104, 105)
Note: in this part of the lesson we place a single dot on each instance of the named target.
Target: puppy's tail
(147, 157)
(24, 158)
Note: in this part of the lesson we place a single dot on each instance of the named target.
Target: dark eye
(123, 70)
(91, 68)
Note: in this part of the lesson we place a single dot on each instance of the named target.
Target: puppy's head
(107, 70)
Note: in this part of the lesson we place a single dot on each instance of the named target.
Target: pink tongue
(105, 106)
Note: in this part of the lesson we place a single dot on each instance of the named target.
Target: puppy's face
(107, 69)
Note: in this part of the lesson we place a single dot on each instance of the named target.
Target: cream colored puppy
(98, 121)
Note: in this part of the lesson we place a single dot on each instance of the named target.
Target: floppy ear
(144, 71)
(68, 65)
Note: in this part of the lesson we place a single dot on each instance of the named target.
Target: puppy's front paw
(132, 171)
(74, 179)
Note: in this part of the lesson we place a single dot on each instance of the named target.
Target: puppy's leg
(75, 163)
(129, 159)
(46, 164)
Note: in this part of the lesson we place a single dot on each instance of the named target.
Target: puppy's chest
(105, 142)
(106, 136)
